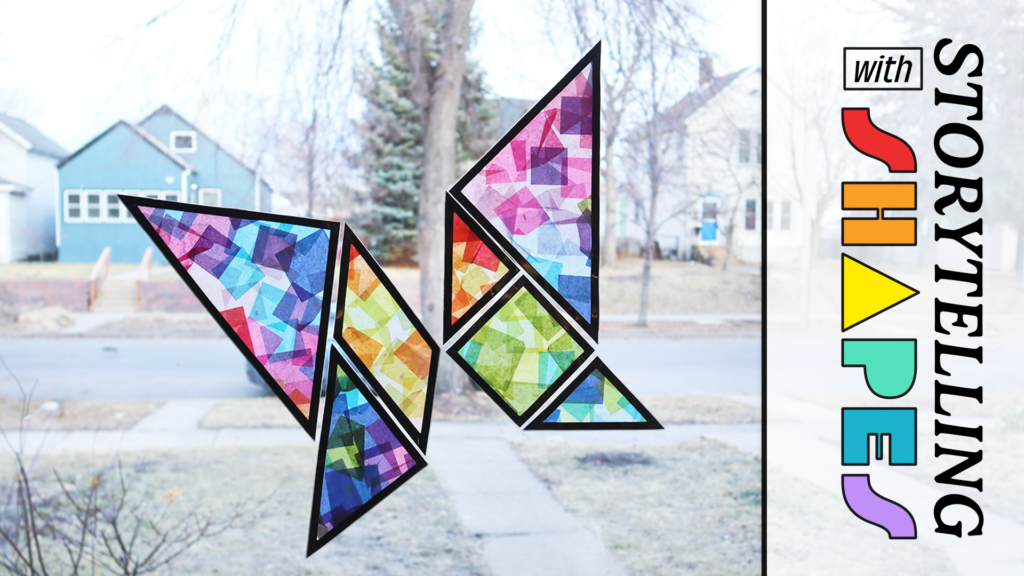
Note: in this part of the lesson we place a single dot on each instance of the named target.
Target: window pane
(758, 147)
(113, 206)
(784, 224)
(74, 199)
(171, 197)
(182, 141)
(744, 145)
(94, 199)
(74, 212)
(710, 211)
(751, 219)
(769, 215)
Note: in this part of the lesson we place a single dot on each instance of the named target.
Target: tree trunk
(610, 250)
(645, 276)
(1020, 250)
(807, 256)
(438, 175)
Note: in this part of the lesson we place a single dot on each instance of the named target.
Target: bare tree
(435, 36)
(104, 522)
(812, 159)
(307, 134)
(724, 150)
(625, 29)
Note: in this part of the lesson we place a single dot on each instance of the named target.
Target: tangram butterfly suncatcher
(520, 306)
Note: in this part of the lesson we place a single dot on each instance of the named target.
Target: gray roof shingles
(41, 144)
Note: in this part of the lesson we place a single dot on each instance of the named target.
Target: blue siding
(216, 168)
(119, 160)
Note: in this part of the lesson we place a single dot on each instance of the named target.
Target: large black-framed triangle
(350, 242)
(649, 423)
(590, 325)
(521, 284)
(337, 362)
(134, 203)
(452, 208)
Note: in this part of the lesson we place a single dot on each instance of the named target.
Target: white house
(710, 171)
(28, 191)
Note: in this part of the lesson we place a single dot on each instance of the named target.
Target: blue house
(165, 157)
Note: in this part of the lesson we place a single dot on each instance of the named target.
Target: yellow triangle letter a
(868, 292)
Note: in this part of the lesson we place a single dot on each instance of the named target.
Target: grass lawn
(680, 509)
(413, 531)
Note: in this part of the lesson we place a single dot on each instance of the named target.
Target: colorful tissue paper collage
(521, 306)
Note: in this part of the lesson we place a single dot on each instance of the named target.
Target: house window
(171, 196)
(210, 196)
(73, 205)
(126, 215)
(751, 215)
(757, 150)
(744, 146)
(114, 208)
(769, 215)
(710, 210)
(183, 141)
(784, 223)
(93, 208)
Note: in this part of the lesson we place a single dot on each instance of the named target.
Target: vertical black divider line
(764, 287)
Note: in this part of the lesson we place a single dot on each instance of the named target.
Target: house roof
(699, 98)
(39, 142)
(165, 109)
(142, 134)
(8, 186)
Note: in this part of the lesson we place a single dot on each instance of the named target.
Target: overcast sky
(74, 68)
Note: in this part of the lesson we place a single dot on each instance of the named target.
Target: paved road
(93, 368)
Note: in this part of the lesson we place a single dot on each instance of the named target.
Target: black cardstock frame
(313, 544)
(333, 230)
(591, 325)
(521, 284)
(419, 437)
(452, 208)
(650, 424)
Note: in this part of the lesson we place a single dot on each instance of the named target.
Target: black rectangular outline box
(920, 72)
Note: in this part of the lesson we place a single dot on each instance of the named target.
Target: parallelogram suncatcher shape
(477, 269)
(536, 191)
(596, 400)
(385, 340)
(363, 456)
(266, 279)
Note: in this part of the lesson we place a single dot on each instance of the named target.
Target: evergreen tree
(393, 151)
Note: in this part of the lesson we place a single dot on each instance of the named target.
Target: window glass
(751, 215)
(93, 206)
(744, 146)
(74, 205)
(784, 224)
(113, 206)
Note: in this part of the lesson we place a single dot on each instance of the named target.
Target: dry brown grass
(680, 288)
(415, 530)
(701, 410)
(76, 414)
(688, 508)
(55, 270)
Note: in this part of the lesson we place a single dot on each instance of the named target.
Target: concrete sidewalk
(497, 497)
